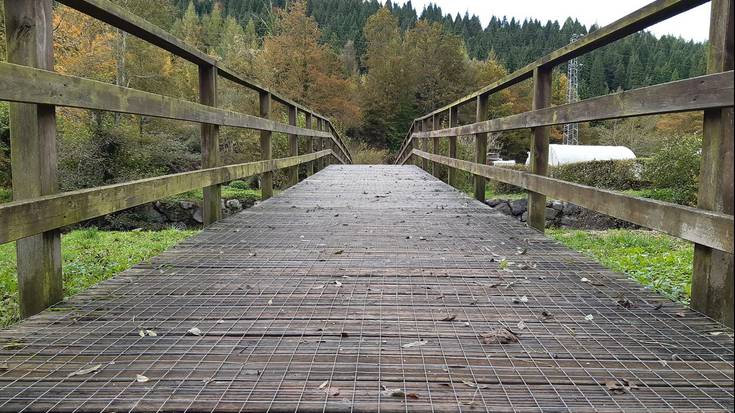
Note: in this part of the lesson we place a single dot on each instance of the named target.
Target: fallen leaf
(270, 302)
(521, 325)
(3, 366)
(450, 317)
(680, 314)
(338, 284)
(620, 386)
(412, 396)
(519, 300)
(545, 316)
(85, 370)
(470, 383)
(141, 378)
(323, 385)
(625, 303)
(522, 251)
(585, 280)
(499, 336)
(339, 252)
(589, 317)
(415, 344)
(194, 331)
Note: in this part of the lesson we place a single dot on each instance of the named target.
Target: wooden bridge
(362, 288)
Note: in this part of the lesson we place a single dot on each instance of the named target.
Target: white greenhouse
(565, 154)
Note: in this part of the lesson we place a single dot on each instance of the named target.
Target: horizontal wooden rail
(120, 18)
(643, 18)
(29, 85)
(699, 93)
(703, 227)
(28, 217)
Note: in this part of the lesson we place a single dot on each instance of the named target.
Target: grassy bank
(651, 258)
(89, 257)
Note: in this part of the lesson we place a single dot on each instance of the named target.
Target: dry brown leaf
(499, 336)
(450, 317)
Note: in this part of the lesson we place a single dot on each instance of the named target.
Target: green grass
(89, 256)
(651, 258)
(228, 192)
(6, 195)
(490, 194)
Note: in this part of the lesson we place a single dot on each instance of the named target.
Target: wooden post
(321, 163)
(453, 121)
(29, 39)
(266, 148)
(293, 146)
(712, 281)
(309, 146)
(417, 143)
(434, 146)
(425, 127)
(481, 146)
(539, 147)
(211, 209)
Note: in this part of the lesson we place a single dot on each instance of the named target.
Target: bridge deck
(366, 289)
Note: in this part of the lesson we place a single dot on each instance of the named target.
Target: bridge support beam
(266, 147)
(309, 146)
(33, 154)
(425, 127)
(453, 121)
(293, 146)
(539, 147)
(712, 281)
(481, 146)
(212, 195)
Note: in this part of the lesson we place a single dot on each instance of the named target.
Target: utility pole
(571, 130)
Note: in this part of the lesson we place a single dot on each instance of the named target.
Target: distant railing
(710, 226)
(38, 211)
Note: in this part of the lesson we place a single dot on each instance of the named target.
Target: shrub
(615, 174)
(240, 185)
(362, 154)
(675, 166)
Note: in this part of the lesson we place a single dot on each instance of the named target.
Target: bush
(240, 185)
(676, 167)
(616, 174)
(362, 154)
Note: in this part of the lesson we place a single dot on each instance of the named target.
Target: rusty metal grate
(328, 283)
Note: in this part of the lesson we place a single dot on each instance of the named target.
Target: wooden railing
(710, 226)
(38, 211)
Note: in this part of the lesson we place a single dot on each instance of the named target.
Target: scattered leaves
(499, 336)
(194, 331)
(589, 317)
(149, 333)
(519, 300)
(85, 370)
(621, 386)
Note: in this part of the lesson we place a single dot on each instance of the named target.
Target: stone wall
(560, 214)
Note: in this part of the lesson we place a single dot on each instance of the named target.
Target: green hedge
(616, 174)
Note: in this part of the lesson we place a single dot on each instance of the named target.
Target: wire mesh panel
(367, 288)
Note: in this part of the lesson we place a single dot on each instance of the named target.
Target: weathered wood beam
(435, 146)
(266, 147)
(539, 148)
(24, 218)
(29, 85)
(309, 145)
(712, 281)
(712, 91)
(212, 195)
(481, 146)
(712, 229)
(293, 146)
(29, 37)
(453, 121)
(638, 20)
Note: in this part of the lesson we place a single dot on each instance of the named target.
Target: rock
(557, 205)
(524, 217)
(568, 221)
(551, 214)
(492, 203)
(234, 204)
(187, 205)
(197, 216)
(504, 208)
(173, 211)
(571, 209)
(519, 206)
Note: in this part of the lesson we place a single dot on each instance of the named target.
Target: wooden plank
(425, 126)
(266, 147)
(212, 195)
(539, 148)
(638, 20)
(435, 146)
(481, 146)
(696, 225)
(309, 146)
(29, 37)
(712, 282)
(29, 85)
(293, 146)
(24, 218)
(711, 91)
(453, 121)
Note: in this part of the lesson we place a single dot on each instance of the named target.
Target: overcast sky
(692, 25)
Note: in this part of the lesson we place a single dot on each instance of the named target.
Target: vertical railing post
(309, 146)
(451, 172)
(321, 163)
(417, 143)
(212, 195)
(293, 146)
(712, 281)
(29, 36)
(266, 147)
(434, 146)
(539, 147)
(481, 146)
(425, 127)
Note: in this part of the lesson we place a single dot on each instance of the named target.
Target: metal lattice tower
(571, 130)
